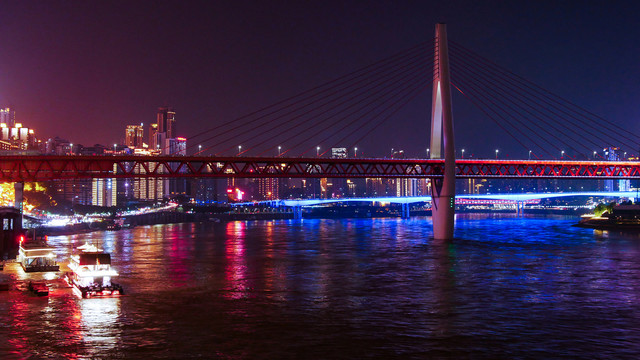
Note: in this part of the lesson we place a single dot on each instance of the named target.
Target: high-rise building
(406, 187)
(167, 122)
(612, 154)
(134, 136)
(103, 192)
(153, 131)
(175, 146)
(8, 116)
(176, 186)
(268, 188)
(375, 187)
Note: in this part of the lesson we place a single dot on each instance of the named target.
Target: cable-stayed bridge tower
(442, 142)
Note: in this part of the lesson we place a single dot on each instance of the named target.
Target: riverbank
(609, 224)
(172, 217)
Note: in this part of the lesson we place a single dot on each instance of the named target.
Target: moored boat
(37, 257)
(39, 288)
(91, 273)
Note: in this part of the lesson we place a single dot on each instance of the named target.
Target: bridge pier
(297, 212)
(519, 208)
(19, 195)
(406, 213)
(442, 189)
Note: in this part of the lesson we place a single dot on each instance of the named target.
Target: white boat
(91, 273)
(36, 257)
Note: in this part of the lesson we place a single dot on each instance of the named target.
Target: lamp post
(594, 155)
(428, 151)
(279, 148)
(114, 148)
(529, 154)
(71, 145)
(239, 149)
(199, 149)
(355, 152)
(496, 154)
(562, 154)
(463, 153)
(317, 151)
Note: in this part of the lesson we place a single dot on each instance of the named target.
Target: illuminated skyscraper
(134, 136)
(153, 131)
(176, 186)
(268, 188)
(175, 146)
(104, 192)
(167, 122)
(8, 116)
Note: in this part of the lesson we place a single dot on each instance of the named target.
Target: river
(506, 287)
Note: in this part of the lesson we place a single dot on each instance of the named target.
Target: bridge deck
(41, 168)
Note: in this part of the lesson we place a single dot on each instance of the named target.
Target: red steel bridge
(42, 167)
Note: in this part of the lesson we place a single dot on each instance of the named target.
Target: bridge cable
(552, 103)
(500, 96)
(515, 93)
(417, 80)
(371, 101)
(365, 92)
(335, 94)
(320, 89)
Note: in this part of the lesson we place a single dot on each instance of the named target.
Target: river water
(506, 287)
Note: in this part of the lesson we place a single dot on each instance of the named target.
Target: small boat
(39, 288)
(37, 257)
(91, 273)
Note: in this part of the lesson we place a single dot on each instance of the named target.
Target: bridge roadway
(415, 199)
(29, 168)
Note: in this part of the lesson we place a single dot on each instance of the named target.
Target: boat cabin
(37, 257)
(93, 268)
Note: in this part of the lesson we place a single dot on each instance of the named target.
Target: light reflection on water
(507, 287)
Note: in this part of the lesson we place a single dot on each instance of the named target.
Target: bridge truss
(43, 168)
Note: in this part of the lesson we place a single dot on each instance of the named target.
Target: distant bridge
(417, 199)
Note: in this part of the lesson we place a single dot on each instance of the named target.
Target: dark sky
(82, 70)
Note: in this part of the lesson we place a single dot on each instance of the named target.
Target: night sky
(84, 70)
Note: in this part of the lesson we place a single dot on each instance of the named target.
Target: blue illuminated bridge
(514, 199)
(417, 199)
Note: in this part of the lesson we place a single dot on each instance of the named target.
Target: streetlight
(496, 154)
(71, 145)
(355, 152)
(114, 148)
(279, 148)
(529, 154)
(317, 151)
(562, 154)
(463, 153)
(594, 155)
(239, 149)
(428, 150)
(625, 155)
(199, 149)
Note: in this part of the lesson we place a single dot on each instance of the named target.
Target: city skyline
(87, 79)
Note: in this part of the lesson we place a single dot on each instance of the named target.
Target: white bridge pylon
(443, 190)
